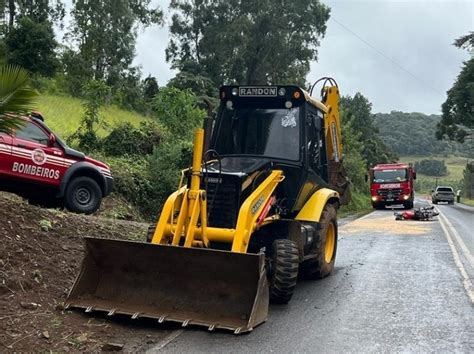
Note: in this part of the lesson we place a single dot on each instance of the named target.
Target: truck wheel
(408, 204)
(284, 264)
(325, 246)
(83, 195)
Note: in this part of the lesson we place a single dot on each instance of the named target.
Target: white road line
(466, 281)
(167, 340)
(458, 238)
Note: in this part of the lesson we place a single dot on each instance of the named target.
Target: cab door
(5, 153)
(35, 157)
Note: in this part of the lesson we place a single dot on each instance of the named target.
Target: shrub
(126, 139)
(166, 164)
(431, 167)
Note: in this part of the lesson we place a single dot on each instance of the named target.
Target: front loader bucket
(192, 286)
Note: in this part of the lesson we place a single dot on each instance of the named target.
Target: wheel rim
(330, 243)
(83, 196)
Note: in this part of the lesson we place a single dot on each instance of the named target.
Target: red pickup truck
(37, 164)
(392, 184)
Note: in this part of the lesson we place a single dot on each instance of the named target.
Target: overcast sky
(416, 36)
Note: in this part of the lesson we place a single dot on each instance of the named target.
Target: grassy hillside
(414, 134)
(425, 183)
(63, 114)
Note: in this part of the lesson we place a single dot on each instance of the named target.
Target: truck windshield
(384, 176)
(256, 131)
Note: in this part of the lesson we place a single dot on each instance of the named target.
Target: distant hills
(414, 134)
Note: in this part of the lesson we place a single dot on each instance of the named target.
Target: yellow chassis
(184, 215)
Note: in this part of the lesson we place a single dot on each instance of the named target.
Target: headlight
(406, 197)
(374, 198)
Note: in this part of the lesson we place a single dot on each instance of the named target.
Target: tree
(150, 87)
(29, 36)
(457, 121)
(468, 180)
(247, 42)
(96, 93)
(16, 97)
(32, 45)
(39, 11)
(178, 111)
(358, 111)
(105, 33)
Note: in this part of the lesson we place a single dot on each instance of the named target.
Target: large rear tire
(284, 264)
(325, 246)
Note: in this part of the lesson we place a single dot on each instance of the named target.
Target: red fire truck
(392, 184)
(38, 165)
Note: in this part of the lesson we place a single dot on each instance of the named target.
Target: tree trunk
(11, 13)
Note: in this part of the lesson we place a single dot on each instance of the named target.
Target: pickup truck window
(444, 189)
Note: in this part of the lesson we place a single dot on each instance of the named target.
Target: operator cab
(264, 128)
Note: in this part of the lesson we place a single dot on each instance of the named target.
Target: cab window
(33, 133)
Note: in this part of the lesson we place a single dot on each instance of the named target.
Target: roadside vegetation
(93, 95)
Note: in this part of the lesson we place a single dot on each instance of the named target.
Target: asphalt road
(397, 286)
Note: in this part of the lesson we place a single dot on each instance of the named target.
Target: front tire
(284, 265)
(83, 195)
(408, 204)
(325, 246)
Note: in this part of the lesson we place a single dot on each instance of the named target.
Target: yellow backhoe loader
(257, 207)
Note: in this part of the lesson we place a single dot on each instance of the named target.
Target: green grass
(455, 165)
(467, 201)
(359, 205)
(63, 115)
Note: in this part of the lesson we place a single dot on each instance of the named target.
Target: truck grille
(224, 208)
(395, 193)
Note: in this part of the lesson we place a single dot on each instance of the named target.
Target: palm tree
(16, 96)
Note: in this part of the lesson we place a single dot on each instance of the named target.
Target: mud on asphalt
(40, 256)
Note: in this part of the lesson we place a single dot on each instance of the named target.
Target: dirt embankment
(40, 256)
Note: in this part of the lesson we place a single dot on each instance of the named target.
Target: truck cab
(392, 184)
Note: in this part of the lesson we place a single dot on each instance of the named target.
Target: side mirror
(52, 139)
(432, 191)
(414, 175)
(366, 177)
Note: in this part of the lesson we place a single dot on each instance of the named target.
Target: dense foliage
(414, 134)
(457, 121)
(431, 167)
(246, 42)
(358, 111)
(28, 37)
(468, 180)
(16, 96)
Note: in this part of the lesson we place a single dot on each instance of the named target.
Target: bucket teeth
(116, 278)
